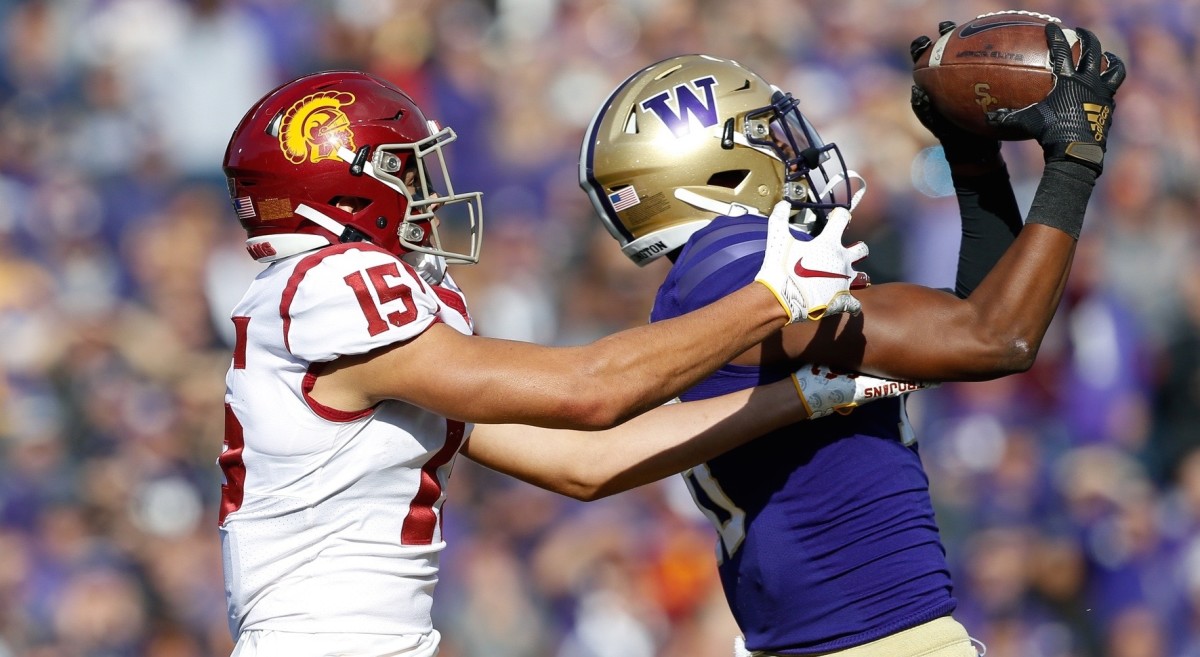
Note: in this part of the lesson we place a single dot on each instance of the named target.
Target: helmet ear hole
(351, 204)
(730, 179)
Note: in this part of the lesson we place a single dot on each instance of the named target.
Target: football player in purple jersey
(827, 538)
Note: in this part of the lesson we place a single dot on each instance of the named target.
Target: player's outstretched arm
(991, 219)
(589, 465)
(907, 331)
(612, 379)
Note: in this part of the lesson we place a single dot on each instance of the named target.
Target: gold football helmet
(695, 137)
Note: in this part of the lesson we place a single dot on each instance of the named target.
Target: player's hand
(1072, 122)
(811, 278)
(824, 391)
(960, 146)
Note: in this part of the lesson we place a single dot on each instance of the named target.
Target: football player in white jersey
(356, 376)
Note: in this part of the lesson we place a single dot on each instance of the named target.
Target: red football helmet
(344, 156)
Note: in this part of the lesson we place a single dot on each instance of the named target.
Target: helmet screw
(381, 222)
(763, 191)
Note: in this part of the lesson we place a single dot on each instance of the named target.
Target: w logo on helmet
(690, 106)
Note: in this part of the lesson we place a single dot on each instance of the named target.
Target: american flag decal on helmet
(623, 198)
(244, 207)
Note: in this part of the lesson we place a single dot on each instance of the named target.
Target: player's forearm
(594, 386)
(632, 371)
(999, 329)
(1017, 301)
(996, 331)
(597, 385)
(664, 441)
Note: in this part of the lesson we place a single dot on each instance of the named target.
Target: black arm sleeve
(990, 222)
(1062, 196)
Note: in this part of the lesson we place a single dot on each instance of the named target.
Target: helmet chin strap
(431, 268)
(321, 219)
(709, 205)
(806, 218)
(839, 179)
(368, 169)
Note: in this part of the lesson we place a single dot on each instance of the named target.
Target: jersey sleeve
(351, 301)
(718, 260)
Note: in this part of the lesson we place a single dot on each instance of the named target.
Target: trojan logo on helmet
(373, 169)
(315, 128)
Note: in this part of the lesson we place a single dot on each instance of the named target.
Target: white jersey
(331, 520)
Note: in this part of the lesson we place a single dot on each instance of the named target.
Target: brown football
(996, 60)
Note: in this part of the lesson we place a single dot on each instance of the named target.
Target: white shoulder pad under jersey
(351, 299)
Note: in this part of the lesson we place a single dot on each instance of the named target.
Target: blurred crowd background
(1069, 497)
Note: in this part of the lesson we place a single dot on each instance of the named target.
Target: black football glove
(960, 146)
(1072, 122)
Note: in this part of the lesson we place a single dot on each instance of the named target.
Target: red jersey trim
(306, 265)
(326, 412)
(423, 516)
(241, 326)
(454, 300)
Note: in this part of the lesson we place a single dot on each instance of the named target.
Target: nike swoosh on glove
(812, 279)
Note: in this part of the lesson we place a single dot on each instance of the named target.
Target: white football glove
(814, 278)
(824, 391)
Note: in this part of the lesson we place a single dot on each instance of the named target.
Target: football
(996, 60)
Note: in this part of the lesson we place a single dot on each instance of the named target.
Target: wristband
(1062, 196)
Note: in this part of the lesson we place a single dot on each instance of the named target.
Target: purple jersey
(827, 533)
